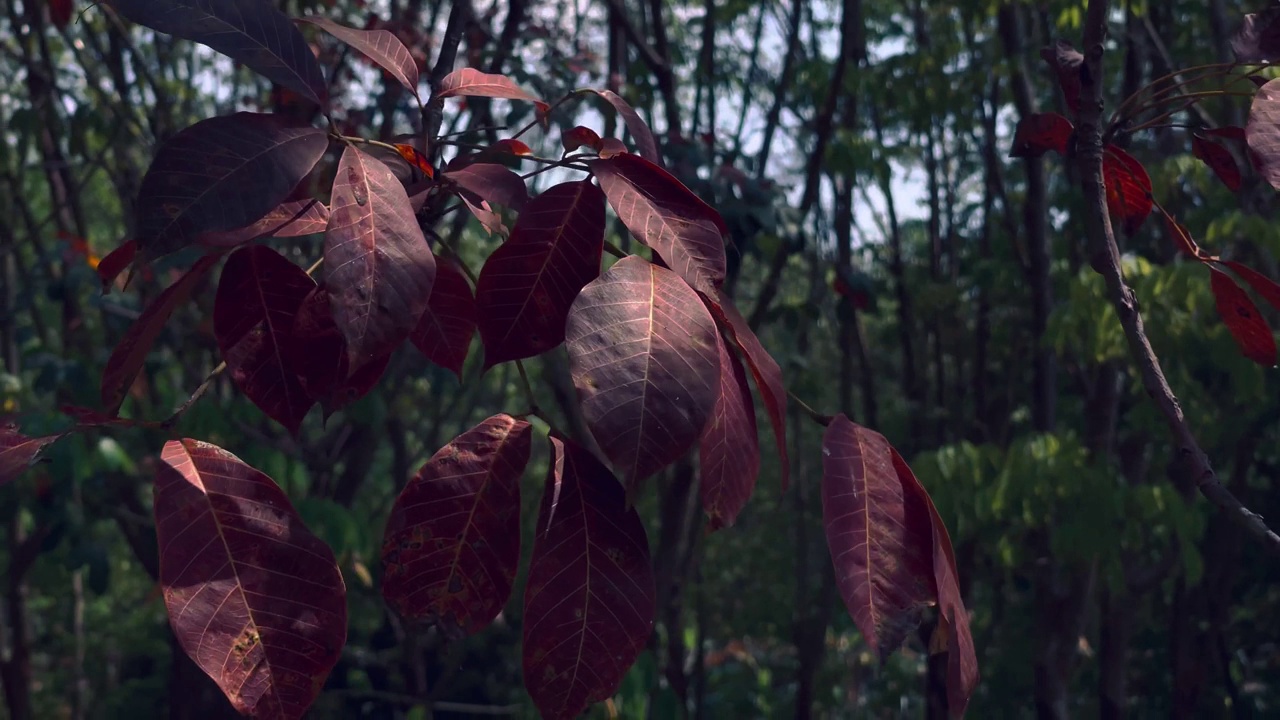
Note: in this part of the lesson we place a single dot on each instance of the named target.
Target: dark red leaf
(469, 81)
(288, 219)
(444, 333)
(729, 452)
(1258, 39)
(452, 544)
(357, 386)
(316, 350)
(60, 12)
(1128, 188)
(378, 267)
(253, 313)
(414, 157)
(578, 137)
(221, 174)
(1263, 131)
(1040, 133)
(1230, 132)
(665, 215)
(491, 182)
(19, 452)
(880, 534)
(638, 128)
(1261, 284)
(254, 33)
(643, 355)
(380, 46)
(127, 357)
(1067, 63)
(115, 262)
(590, 600)
(765, 370)
(1219, 159)
(254, 598)
(508, 147)
(527, 285)
(1242, 318)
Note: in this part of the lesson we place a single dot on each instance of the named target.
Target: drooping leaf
(491, 182)
(247, 31)
(60, 12)
(1040, 133)
(1261, 284)
(129, 355)
(115, 262)
(318, 354)
(254, 598)
(414, 157)
(1219, 159)
(357, 385)
(880, 535)
(527, 285)
(509, 146)
(579, 136)
(590, 600)
(471, 82)
(638, 128)
(18, 451)
(643, 355)
(1067, 63)
(665, 215)
(1262, 132)
(379, 46)
(452, 544)
(1128, 188)
(1242, 318)
(253, 313)
(444, 333)
(288, 219)
(1230, 132)
(729, 452)
(221, 174)
(378, 267)
(1258, 39)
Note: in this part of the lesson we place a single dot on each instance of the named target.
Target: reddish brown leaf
(729, 452)
(378, 267)
(60, 12)
(638, 128)
(127, 357)
(491, 182)
(643, 355)
(316, 350)
(1067, 63)
(468, 81)
(254, 598)
(452, 545)
(380, 46)
(1230, 132)
(880, 534)
(765, 370)
(665, 215)
(253, 313)
(1242, 318)
(1262, 132)
(19, 452)
(611, 146)
(288, 219)
(1128, 188)
(508, 147)
(1261, 284)
(578, 137)
(1219, 159)
(444, 333)
(414, 157)
(527, 284)
(1258, 39)
(589, 603)
(1040, 133)
(115, 262)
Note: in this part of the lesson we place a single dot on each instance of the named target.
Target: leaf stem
(823, 420)
(528, 390)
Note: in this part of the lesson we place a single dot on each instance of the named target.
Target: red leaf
(1242, 318)
(288, 219)
(316, 350)
(527, 284)
(128, 357)
(1262, 132)
(254, 598)
(115, 262)
(638, 128)
(444, 333)
(1261, 284)
(491, 182)
(578, 137)
(1230, 132)
(60, 12)
(19, 452)
(1128, 188)
(729, 452)
(356, 386)
(378, 267)
(253, 313)
(221, 174)
(1040, 133)
(1219, 159)
(1068, 63)
(451, 547)
(643, 355)
(415, 158)
(508, 147)
(666, 216)
(380, 46)
(468, 81)
(610, 147)
(764, 369)
(589, 603)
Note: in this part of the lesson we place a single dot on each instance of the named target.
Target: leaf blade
(729, 450)
(1242, 318)
(444, 333)
(381, 46)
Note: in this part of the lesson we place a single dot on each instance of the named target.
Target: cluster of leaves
(658, 354)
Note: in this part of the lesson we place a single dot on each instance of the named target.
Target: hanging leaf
(60, 12)
(1261, 284)
(221, 174)
(414, 157)
(638, 128)
(1067, 63)
(1040, 133)
(253, 314)
(1262, 132)
(452, 544)
(729, 452)
(379, 46)
(444, 333)
(578, 137)
(1230, 132)
(357, 385)
(470, 82)
(1242, 318)
(665, 215)
(491, 182)
(378, 267)
(528, 283)
(247, 31)
(115, 262)
(1219, 159)
(288, 219)
(643, 356)
(1128, 188)
(590, 599)
(19, 452)
(254, 598)
(1258, 39)
(316, 350)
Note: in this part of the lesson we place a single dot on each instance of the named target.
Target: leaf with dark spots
(729, 451)
(452, 543)
(590, 599)
(1219, 159)
(129, 355)
(288, 219)
(253, 313)
(491, 182)
(115, 263)
(665, 215)
(378, 267)
(1262, 132)
(528, 283)
(1128, 188)
(643, 355)
(1258, 39)
(638, 128)
(18, 451)
(880, 535)
(444, 333)
(379, 46)
(1242, 318)
(1040, 133)
(221, 174)
(469, 81)
(1261, 284)
(1068, 64)
(580, 136)
(254, 598)
(248, 31)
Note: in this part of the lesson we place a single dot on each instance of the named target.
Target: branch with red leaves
(1105, 254)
